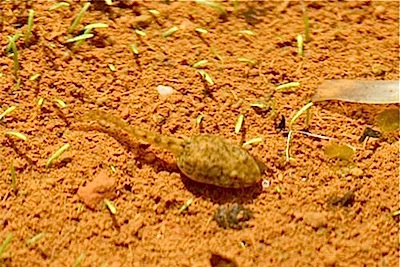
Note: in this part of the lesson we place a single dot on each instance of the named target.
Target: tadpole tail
(104, 119)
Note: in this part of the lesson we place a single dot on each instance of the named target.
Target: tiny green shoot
(57, 154)
(80, 37)
(108, 2)
(216, 54)
(31, 14)
(58, 5)
(201, 30)
(186, 205)
(15, 55)
(95, 26)
(199, 119)
(15, 38)
(17, 135)
(300, 45)
(134, 49)
(40, 102)
(35, 238)
(170, 31)
(112, 67)
(253, 141)
(79, 260)
(140, 33)
(34, 76)
(205, 76)
(214, 5)
(13, 176)
(7, 111)
(200, 64)
(298, 114)
(78, 17)
(113, 169)
(5, 244)
(249, 61)
(111, 207)
(247, 32)
(395, 213)
(60, 103)
(287, 150)
(154, 12)
(305, 22)
(239, 123)
(287, 86)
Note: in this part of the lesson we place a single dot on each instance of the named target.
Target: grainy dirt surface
(317, 211)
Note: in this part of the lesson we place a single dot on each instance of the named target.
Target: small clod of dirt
(345, 201)
(96, 191)
(217, 260)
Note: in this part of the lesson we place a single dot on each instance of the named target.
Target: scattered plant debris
(388, 120)
(368, 132)
(233, 217)
(334, 150)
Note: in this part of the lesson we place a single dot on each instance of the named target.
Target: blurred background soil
(316, 211)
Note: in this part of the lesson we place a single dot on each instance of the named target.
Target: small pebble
(165, 90)
(357, 172)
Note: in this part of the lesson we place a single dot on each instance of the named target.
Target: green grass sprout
(186, 205)
(31, 14)
(300, 45)
(40, 102)
(13, 176)
(287, 86)
(154, 12)
(7, 111)
(205, 76)
(201, 30)
(298, 114)
(60, 103)
(112, 67)
(200, 64)
(287, 149)
(17, 135)
(57, 154)
(140, 33)
(134, 49)
(5, 244)
(111, 207)
(214, 5)
(15, 38)
(239, 123)
(35, 238)
(247, 32)
(95, 26)
(58, 5)
(15, 55)
(112, 168)
(253, 141)
(306, 22)
(216, 54)
(249, 61)
(79, 260)
(108, 2)
(78, 17)
(170, 31)
(199, 119)
(80, 37)
(34, 76)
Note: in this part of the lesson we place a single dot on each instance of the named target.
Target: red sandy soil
(301, 219)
